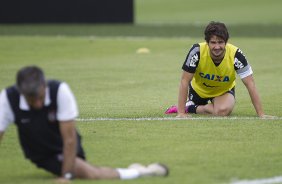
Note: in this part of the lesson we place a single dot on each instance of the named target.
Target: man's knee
(222, 111)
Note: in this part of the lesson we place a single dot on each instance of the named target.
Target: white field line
(173, 118)
(276, 179)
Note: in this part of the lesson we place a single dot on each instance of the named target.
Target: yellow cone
(143, 50)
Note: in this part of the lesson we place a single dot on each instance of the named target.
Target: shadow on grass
(101, 30)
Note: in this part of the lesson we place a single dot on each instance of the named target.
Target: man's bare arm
(69, 138)
(183, 92)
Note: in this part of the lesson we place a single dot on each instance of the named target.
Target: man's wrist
(68, 176)
(260, 114)
(181, 111)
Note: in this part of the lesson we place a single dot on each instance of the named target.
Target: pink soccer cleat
(171, 110)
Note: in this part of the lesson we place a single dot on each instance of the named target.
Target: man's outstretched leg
(84, 170)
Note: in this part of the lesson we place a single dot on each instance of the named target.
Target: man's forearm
(250, 85)
(256, 101)
(182, 97)
(69, 153)
(69, 138)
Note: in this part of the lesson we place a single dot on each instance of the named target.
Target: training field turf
(111, 81)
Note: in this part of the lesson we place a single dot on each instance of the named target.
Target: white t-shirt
(66, 104)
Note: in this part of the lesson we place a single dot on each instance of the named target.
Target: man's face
(217, 47)
(37, 101)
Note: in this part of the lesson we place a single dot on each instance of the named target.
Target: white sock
(127, 174)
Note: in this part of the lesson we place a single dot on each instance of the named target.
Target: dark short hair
(29, 80)
(216, 29)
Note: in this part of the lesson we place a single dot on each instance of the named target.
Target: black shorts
(193, 96)
(53, 163)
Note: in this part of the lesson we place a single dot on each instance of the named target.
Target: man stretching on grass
(44, 113)
(209, 74)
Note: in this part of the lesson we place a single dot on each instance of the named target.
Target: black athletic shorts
(193, 96)
(53, 163)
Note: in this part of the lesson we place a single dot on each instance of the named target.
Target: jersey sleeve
(192, 59)
(67, 107)
(6, 113)
(241, 65)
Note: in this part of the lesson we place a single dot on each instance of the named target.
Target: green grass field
(110, 80)
(201, 12)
